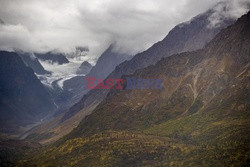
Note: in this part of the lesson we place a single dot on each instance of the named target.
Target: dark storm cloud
(134, 25)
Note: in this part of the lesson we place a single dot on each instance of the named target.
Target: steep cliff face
(32, 62)
(23, 99)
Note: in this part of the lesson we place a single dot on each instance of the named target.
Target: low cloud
(228, 10)
(17, 37)
(44, 25)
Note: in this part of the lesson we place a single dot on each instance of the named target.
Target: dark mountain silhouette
(84, 68)
(23, 99)
(33, 63)
(107, 63)
(52, 57)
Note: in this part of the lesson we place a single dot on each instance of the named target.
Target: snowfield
(59, 73)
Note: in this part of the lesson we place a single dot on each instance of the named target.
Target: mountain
(32, 62)
(107, 63)
(212, 82)
(84, 68)
(180, 39)
(23, 99)
(52, 58)
(200, 117)
(73, 90)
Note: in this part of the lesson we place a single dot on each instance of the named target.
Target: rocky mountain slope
(192, 80)
(200, 117)
(23, 99)
(73, 90)
(52, 57)
(107, 63)
(32, 62)
(75, 87)
(84, 68)
(182, 38)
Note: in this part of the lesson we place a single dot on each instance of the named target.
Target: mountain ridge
(23, 98)
(199, 118)
(161, 49)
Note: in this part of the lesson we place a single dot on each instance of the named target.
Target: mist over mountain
(201, 113)
(182, 38)
(192, 80)
(32, 62)
(52, 58)
(1, 21)
(84, 68)
(106, 63)
(172, 83)
(63, 26)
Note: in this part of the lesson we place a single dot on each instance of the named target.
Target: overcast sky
(43, 25)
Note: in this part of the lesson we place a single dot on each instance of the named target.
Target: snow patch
(59, 73)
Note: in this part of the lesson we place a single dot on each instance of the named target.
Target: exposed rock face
(23, 99)
(180, 39)
(107, 62)
(201, 117)
(53, 58)
(84, 68)
(214, 80)
(184, 37)
(32, 62)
